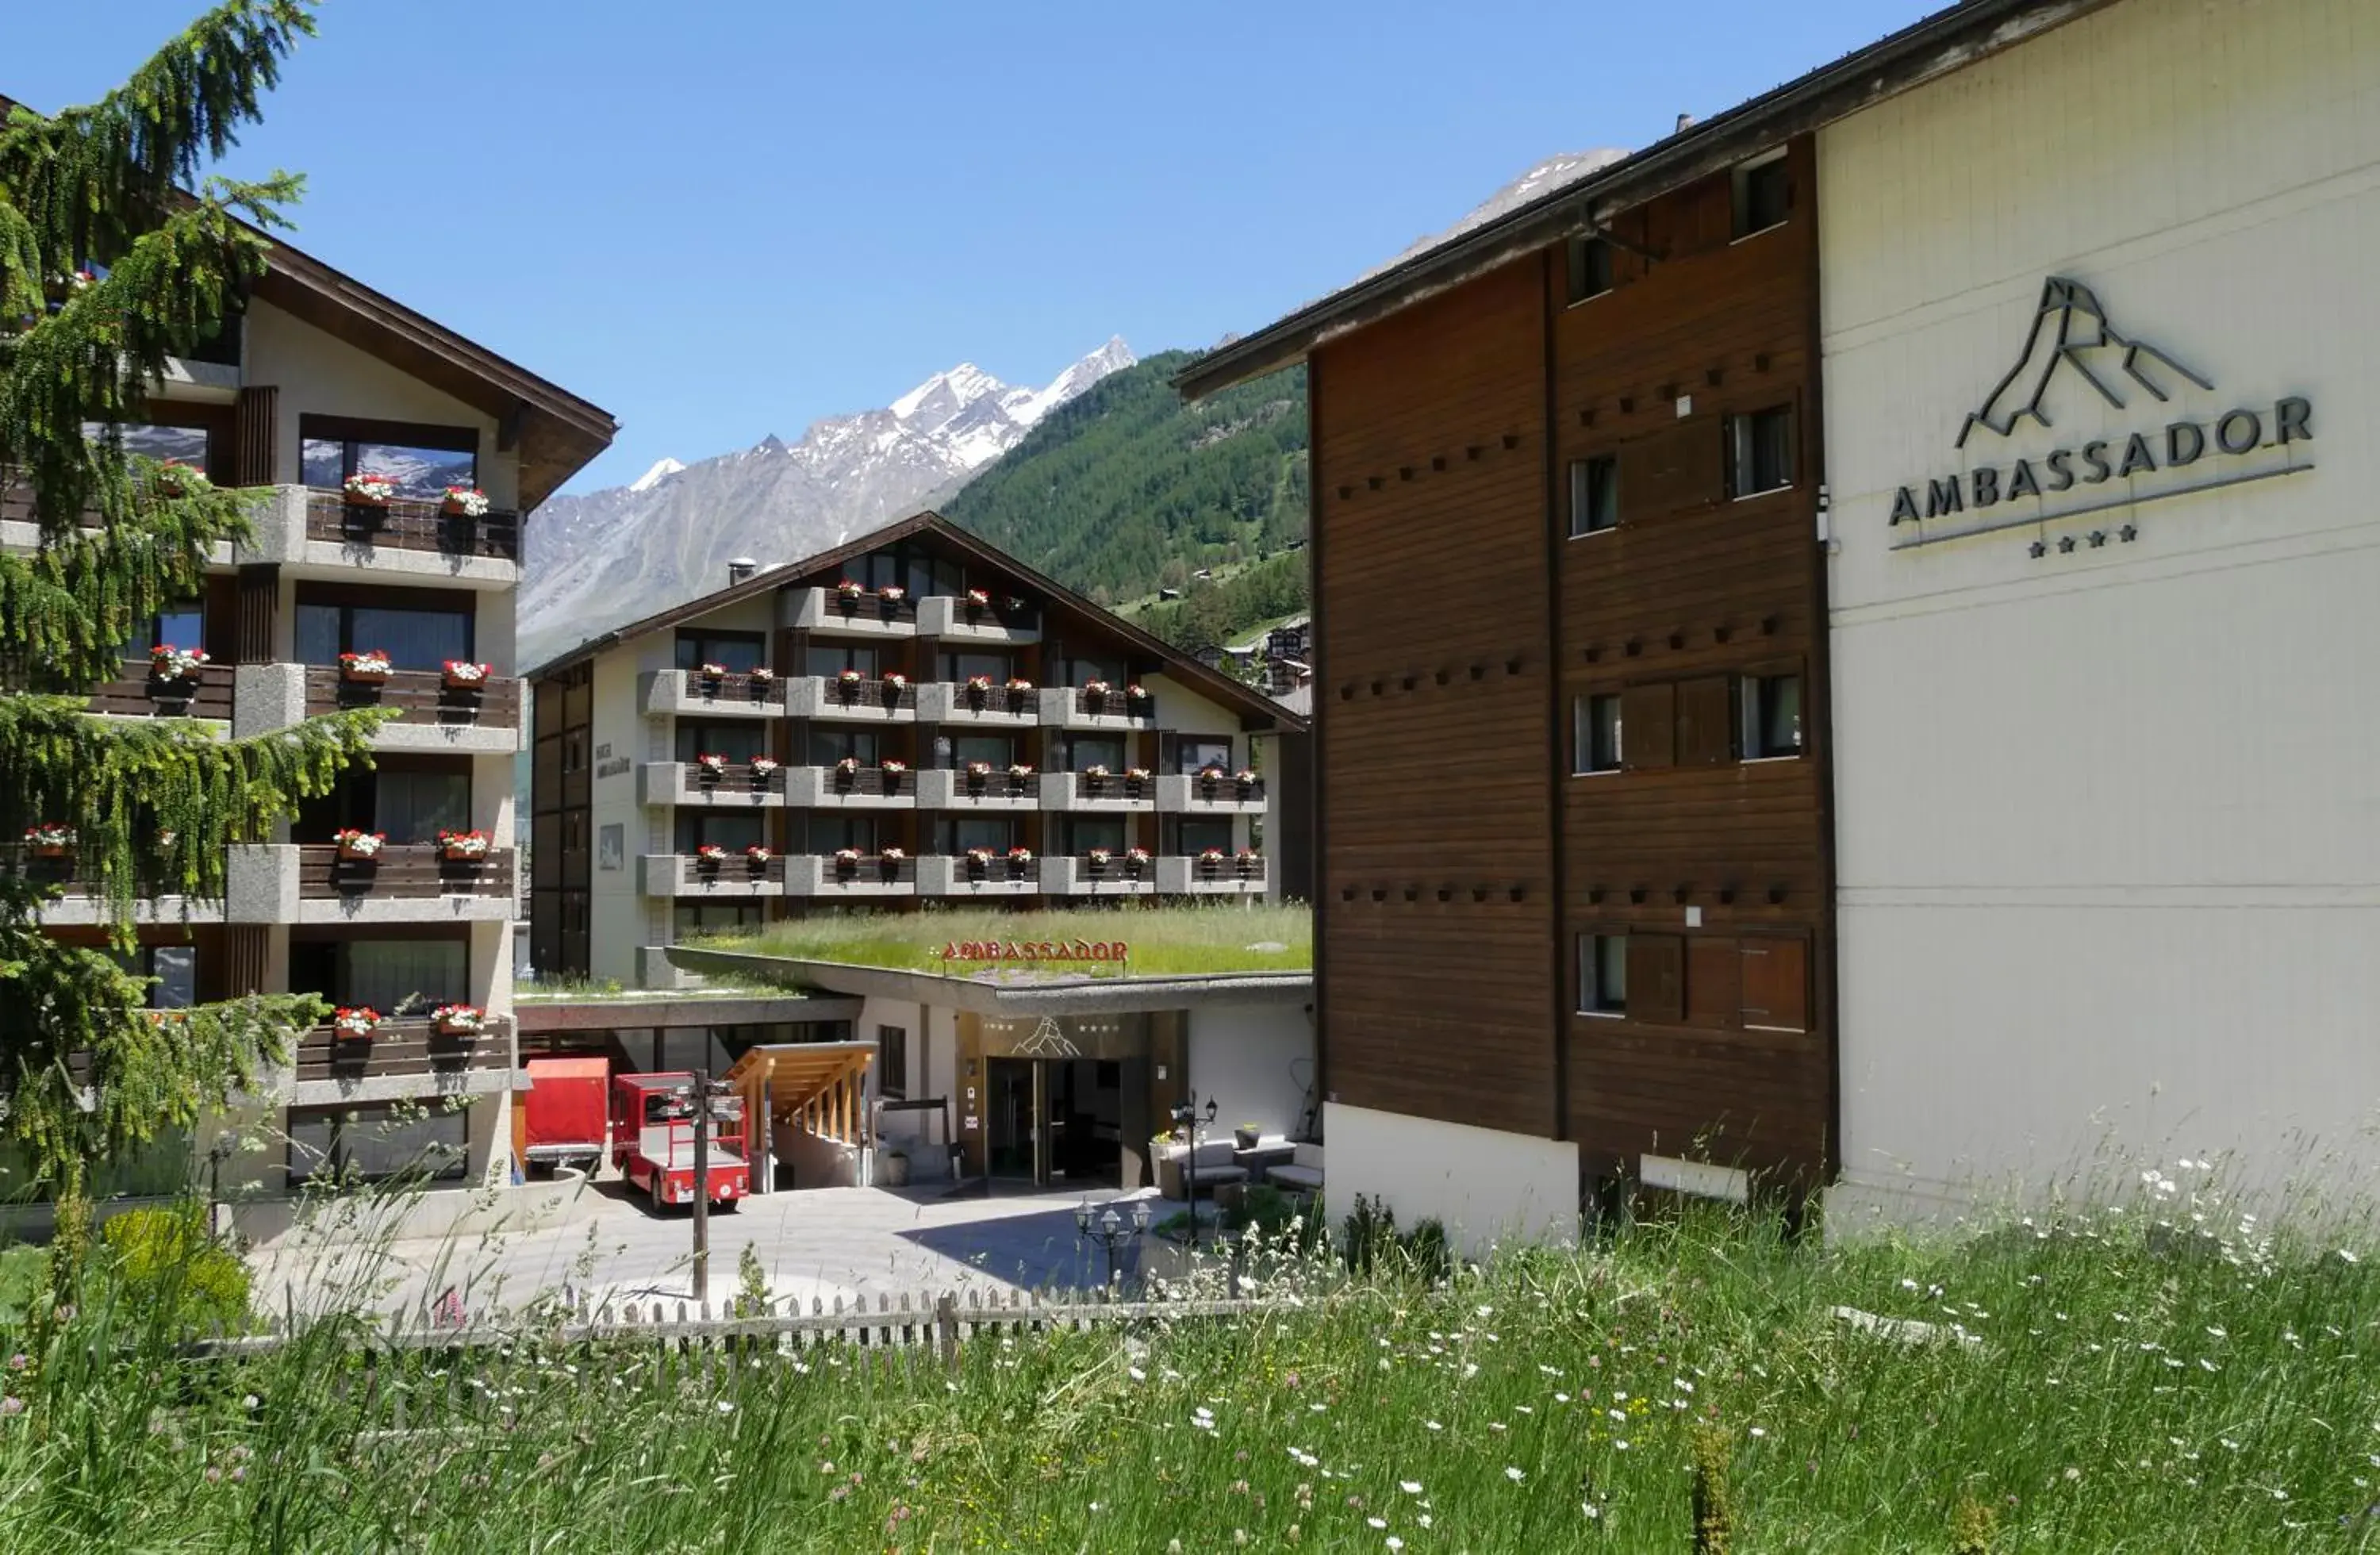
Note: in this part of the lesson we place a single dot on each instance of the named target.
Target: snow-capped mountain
(600, 559)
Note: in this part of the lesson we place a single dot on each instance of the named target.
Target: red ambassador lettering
(1010, 950)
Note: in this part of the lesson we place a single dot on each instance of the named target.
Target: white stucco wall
(1257, 1060)
(1485, 1185)
(2108, 874)
(619, 920)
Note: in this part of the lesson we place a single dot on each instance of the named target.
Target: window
(692, 919)
(1081, 669)
(830, 659)
(1759, 452)
(739, 651)
(733, 830)
(423, 461)
(174, 971)
(372, 1143)
(1590, 268)
(739, 739)
(892, 1062)
(954, 835)
(1594, 495)
(829, 832)
(1763, 195)
(959, 668)
(413, 639)
(1772, 716)
(1095, 750)
(1596, 730)
(1603, 974)
(415, 805)
(828, 746)
(408, 977)
(1195, 755)
(1188, 837)
(1084, 832)
(998, 750)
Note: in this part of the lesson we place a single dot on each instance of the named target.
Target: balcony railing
(418, 696)
(1078, 874)
(999, 620)
(859, 701)
(685, 874)
(410, 525)
(685, 782)
(955, 788)
(945, 702)
(868, 787)
(1191, 793)
(1081, 791)
(402, 1047)
(402, 873)
(78, 904)
(1072, 707)
(826, 610)
(137, 694)
(869, 875)
(690, 692)
(1199, 876)
(947, 875)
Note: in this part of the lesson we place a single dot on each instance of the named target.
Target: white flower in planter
(376, 490)
(465, 501)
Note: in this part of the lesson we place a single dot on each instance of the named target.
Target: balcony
(321, 534)
(941, 875)
(861, 701)
(139, 694)
(939, 701)
(872, 875)
(860, 788)
(1080, 875)
(403, 1057)
(431, 715)
(403, 883)
(1070, 707)
(1194, 795)
(829, 614)
(951, 617)
(80, 907)
(1113, 794)
(1212, 876)
(691, 694)
(996, 790)
(685, 782)
(682, 874)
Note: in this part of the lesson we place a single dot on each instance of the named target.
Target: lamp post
(1185, 1118)
(1108, 1231)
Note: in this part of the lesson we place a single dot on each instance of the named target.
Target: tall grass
(2090, 1384)
(1163, 942)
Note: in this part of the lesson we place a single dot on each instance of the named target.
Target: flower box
(710, 674)
(1019, 687)
(50, 840)
(977, 602)
(1094, 779)
(846, 596)
(355, 1025)
(1207, 778)
(978, 691)
(1135, 781)
(464, 847)
(758, 854)
(1095, 695)
(887, 862)
(1135, 861)
(365, 490)
(710, 767)
(762, 768)
(458, 1020)
(169, 662)
(1251, 863)
(847, 684)
(892, 686)
(463, 502)
(177, 480)
(369, 668)
(846, 773)
(1245, 780)
(761, 674)
(1020, 860)
(978, 860)
(892, 770)
(1137, 696)
(1098, 859)
(710, 855)
(461, 674)
(1019, 774)
(846, 862)
(1211, 860)
(359, 845)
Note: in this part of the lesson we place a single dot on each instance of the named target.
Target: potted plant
(458, 1020)
(846, 773)
(1245, 778)
(464, 847)
(762, 676)
(977, 602)
(358, 845)
(846, 862)
(171, 663)
(1210, 860)
(370, 667)
(847, 685)
(978, 691)
(461, 674)
(1136, 779)
(892, 685)
(356, 1024)
(365, 490)
(979, 775)
(1251, 863)
(1096, 859)
(762, 768)
(50, 840)
(1247, 1135)
(1135, 861)
(979, 861)
(888, 860)
(1094, 777)
(710, 674)
(888, 599)
(1019, 774)
(893, 1167)
(846, 596)
(177, 480)
(708, 857)
(1137, 699)
(1018, 689)
(1020, 859)
(892, 769)
(463, 502)
(1208, 776)
(758, 854)
(1095, 695)
(710, 767)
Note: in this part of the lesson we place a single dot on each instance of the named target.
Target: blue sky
(723, 218)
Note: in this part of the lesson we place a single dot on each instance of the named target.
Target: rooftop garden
(1167, 942)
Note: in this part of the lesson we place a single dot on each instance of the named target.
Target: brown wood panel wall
(257, 611)
(254, 419)
(1441, 438)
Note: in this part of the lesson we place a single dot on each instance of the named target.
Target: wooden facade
(1463, 633)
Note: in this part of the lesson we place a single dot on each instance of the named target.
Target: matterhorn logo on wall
(2071, 339)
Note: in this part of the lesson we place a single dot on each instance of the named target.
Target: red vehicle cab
(652, 1139)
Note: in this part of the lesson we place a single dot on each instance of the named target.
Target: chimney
(739, 568)
(1685, 122)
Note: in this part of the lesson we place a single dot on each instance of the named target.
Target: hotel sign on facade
(2073, 348)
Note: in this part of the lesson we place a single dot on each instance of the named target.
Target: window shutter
(1649, 727)
(255, 417)
(1657, 977)
(1712, 999)
(1706, 722)
(1775, 984)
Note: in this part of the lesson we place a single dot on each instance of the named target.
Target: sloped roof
(1241, 698)
(1587, 197)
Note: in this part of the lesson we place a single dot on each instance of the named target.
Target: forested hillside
(1125, 490)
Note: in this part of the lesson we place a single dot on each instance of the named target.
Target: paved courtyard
(816, 1243)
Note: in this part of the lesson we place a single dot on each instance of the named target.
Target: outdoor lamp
(1108, 1222)
(1210, 1109)
(1083, 1219)
(1139, 1216)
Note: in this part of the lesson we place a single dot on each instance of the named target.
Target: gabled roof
(553, 431)
(1947, 40)
(1239, 697)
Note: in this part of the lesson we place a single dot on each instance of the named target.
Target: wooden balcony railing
(869, 607)
(867, 782)
(400, 1047)
(418, 696)
(410, 525)
(870, 868)
(694, 873)
(403, 871)
(872, 694)
(137, 694)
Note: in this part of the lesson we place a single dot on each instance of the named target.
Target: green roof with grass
(1167, 942)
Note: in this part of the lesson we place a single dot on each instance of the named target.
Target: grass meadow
(2096, 1383)
(1164, 942)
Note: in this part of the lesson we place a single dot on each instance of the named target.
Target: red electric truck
(652, 1139)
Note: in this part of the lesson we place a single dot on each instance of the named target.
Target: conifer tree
(115, 252)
